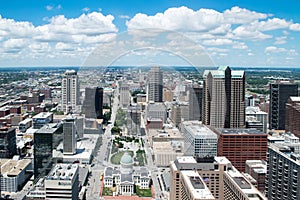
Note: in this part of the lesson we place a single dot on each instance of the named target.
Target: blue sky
(235, 33)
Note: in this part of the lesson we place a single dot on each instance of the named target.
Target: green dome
(126, 159)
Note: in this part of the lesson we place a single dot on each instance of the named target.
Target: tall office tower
(134, 120)
(45, 140)
(280, 92)
(70, 91)
(199, 140)
(224, 98)
(63, 182)
(93, 103)
(239, 145)
(8, 147)
(209, 178)
(195, 102)
(292, 118)
(125, 96)
(69, 138)
(283, 168)
(155, 85)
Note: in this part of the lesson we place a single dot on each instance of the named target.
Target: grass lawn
(140, 158)
(143, 192)
(116, 158)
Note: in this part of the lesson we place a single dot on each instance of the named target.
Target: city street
(101, 160)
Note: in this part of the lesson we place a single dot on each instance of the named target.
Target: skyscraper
(280, 92)
(155, 85)
(93, 103)
(70, 90)
(195, 102)
(46, 139)
(224, 98)
(69, 138)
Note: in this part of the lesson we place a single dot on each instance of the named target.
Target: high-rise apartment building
(8, 147)
(155, 85)
(209, 178)
(239, 145)
(292, 119)
(69, 135)
(280, 92)
(195, 102)
(70, 91)
(93, 103)
(283, 168)
(63, 182)
(224, 98)
(199, 140)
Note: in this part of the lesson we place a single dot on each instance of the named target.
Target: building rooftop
(240, 131)
(42, 115)
(247, 188)
(196, 185)
(11, 167)
(199, 130)
(254, 110)
(296, 99)
(62, 172)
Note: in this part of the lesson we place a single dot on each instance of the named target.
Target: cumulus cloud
(124, 17)
(86, 9)
(295, 27)
(280, 40)
(274, 49)
(237, 15)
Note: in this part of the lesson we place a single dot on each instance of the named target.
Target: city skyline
(230, 33)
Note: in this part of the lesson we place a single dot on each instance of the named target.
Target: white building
(199, 140)
(14, 173)
(126, 178)
(62, 182)
(70, 91)
(260, 115)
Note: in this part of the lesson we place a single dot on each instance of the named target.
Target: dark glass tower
(93, 104)
(45, 140)
(280, 92)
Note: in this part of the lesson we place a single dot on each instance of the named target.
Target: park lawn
(116, 158)
(143, 192)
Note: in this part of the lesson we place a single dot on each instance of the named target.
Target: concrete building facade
(155, 85)
(70, 91)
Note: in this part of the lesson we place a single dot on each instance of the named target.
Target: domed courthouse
(127, 177)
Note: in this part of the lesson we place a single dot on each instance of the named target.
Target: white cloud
(48, 7)
(124, 17)
(178, 19)
(239, 45)
(243, 32)
(217, 42)
(271, 24)
(274, 49)
(237, 15)
(280, 40)
(86, 9)
(295, 27)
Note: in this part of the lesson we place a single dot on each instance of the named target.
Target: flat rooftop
(42, 115)
(198, 129)
(11, 167)
(196, 185)
(62, 172)
(239, 131)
